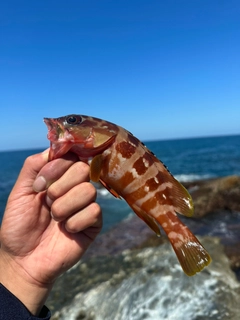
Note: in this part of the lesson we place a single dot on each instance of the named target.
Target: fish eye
(74, 119)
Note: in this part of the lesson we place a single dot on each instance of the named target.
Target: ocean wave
(7, 184)
(149, 284)
(192, 177)
(103, 193)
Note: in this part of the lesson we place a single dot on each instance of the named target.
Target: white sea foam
(192, 177)
(103, 192)
(160, 290)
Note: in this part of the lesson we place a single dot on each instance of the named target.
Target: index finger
(53, 170)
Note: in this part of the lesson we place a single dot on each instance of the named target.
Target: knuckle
(71, 227)
(96, 213)
(29, 160)
(96, 209)
(82, 168)
(57, 211)
(52, 192)
(89, 190)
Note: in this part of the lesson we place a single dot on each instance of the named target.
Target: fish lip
(55, 130)
(57, 133)
(54, 124)
(49, 123)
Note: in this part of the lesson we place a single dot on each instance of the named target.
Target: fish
(130, 171)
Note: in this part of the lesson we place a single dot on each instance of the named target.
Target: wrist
(14, 278)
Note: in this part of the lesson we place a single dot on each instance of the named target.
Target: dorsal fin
(180, 197)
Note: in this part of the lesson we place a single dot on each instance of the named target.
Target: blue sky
(161, 69)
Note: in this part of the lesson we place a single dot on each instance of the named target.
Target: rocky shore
(215, 195)
(219, 199)
(131, 252)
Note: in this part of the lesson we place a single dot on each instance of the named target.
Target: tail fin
(191, 254)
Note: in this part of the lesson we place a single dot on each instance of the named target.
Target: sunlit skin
(50, 220)
(129, 170)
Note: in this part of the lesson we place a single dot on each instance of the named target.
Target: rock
(127, 234)
(149, 284)
(104, 261)
(215, 195)
(217, 203)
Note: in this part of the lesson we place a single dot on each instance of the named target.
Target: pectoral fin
(95, 168)
(113, 192)
(95, 173)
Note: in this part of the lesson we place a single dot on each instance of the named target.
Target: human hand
(46, 231)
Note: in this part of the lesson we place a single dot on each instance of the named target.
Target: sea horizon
(143, 140)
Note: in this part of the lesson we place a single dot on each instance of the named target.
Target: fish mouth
(55, 130)
(49, 123)
(52, 124)
(61, 140)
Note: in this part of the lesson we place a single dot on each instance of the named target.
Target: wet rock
(233, 253)
(129, 233)
(95, 269)
(215, 195)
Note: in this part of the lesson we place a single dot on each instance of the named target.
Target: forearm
(18, 283)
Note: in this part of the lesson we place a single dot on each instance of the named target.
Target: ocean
(187, 159)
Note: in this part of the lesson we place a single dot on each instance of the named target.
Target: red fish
(129, 170)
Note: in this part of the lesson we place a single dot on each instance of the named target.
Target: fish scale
(125, 166)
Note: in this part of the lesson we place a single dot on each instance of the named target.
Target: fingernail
(45, 154)
(40, 184)
(49, 201)
(51, 214)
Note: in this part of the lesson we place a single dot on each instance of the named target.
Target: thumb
(30, 169)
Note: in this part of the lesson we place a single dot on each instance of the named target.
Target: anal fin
(150, 221)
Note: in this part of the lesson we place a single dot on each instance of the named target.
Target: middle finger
(76, 174)
(73, 201)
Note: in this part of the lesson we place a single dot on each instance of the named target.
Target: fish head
(83, 135)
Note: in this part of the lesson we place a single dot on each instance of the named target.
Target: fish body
(129, 170)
